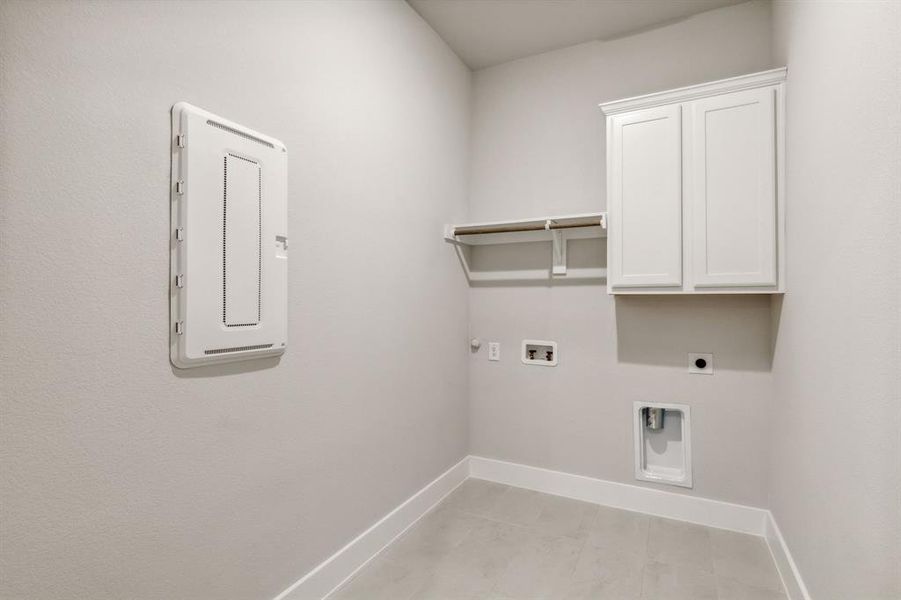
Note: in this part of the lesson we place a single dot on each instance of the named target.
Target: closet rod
(480, 229)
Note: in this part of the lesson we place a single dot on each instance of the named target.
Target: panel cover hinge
(179, 327)
(179, 187)
(180, 141)
(179, 234)
(179, 281)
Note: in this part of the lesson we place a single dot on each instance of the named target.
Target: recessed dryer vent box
(229, 244)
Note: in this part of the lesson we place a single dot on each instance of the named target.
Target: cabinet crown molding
(694, 92)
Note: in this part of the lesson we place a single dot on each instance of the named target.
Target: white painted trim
(693, 92)
(344, 564)
(694, 509)
(785, 564)
(341, 566)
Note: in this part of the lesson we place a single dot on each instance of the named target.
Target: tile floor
(493, 541)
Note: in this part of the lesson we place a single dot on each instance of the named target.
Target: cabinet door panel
(645, 203)
(733, 189)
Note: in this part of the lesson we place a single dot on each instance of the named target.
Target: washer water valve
(653, 418)
(539, 352)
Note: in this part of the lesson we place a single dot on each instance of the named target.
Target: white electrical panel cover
(229, 245)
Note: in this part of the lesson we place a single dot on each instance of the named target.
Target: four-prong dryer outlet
(229, 244)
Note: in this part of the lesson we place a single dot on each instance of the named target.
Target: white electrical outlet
(701, 364)
(494, 350)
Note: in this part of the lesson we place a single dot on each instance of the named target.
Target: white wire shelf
(557, 230)
(539, 229)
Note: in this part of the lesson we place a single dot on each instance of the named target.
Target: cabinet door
(732, 189)
(645, 198)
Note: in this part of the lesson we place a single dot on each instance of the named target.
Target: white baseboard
(337, 569)
(342, 565)
(791, 577)
(703, 511)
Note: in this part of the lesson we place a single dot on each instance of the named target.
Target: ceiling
(489, 32)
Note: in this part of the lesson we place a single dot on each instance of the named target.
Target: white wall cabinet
(695, 189)
(647, 233)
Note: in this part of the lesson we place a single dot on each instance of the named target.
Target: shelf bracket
(559, 261)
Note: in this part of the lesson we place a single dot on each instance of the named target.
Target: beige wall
(538, 149)
(121, 478)
(836, 456)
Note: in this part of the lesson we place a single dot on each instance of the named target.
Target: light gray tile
(538, 566)
(564, 516)
(620, 529)
(489, 541)
(475, 496)
(428, 542)
(619, 589)
(679, 543)
(730, 589)
(442, 526)
(473, 568)
(607, 564)
(381, 580)
(744, 558)
(495, 534)
(446, 589)
(677, 582)
(517, 506)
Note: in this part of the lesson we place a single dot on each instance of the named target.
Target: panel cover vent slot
(242, 206)
(237, 349)
(246, 136)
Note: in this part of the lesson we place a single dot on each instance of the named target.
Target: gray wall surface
(122, 478)
(538, 149)
(836, 457)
